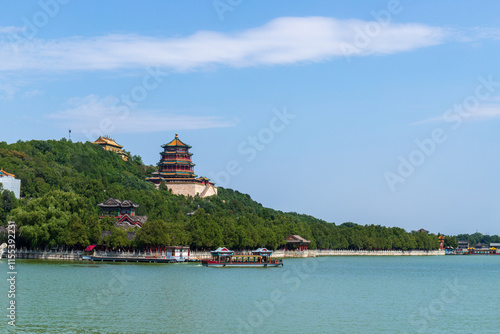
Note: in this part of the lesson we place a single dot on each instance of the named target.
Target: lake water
(451, 294)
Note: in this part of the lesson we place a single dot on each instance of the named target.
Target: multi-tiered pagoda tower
(176, 160)
(177, 170)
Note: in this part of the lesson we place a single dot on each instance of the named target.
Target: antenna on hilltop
(69, 136)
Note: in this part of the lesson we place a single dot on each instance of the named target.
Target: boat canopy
(222, 251)
(262, 252)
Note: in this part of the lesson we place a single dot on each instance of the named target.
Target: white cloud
(11, 30)
(285, 40)
(488, 111)
(94, 116)
(485, 111)
(32, 93)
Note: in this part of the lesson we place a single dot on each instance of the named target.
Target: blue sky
(376, 112)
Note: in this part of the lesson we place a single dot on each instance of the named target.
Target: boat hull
(129, 259)
(228, 265)
(240, 265)
(225, 258)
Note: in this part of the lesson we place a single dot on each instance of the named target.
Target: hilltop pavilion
(110, 145)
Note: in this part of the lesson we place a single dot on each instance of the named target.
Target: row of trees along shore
(62, 183)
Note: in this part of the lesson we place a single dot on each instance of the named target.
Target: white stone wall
(212, 191)
(333, 252)
(191, 189)
(12, 184)
(347, 252)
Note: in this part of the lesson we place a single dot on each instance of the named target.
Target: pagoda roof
(4, 173)
(175, 152)
(107, 141)
(173, 174)
(180, 178)
(176, 171)
(176, 142)
(176, 162)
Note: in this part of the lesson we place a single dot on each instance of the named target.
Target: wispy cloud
(486, 111)
(103, 115)
(286, 40)
(32, 93)
(477, 33)
(11, 30)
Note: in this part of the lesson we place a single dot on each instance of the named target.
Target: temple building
(124, 212)
(9, 182)
(295, 242)
(110, 145)
(177, 170)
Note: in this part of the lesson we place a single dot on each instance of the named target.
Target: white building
(9, 182)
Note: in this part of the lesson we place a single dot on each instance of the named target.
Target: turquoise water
(451, 294)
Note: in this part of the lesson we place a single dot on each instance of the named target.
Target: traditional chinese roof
(172, 152)
(116, 203)
(131, 221)
(176, 162)
(128, 203)
(178, 172)
(176, 142)
(107, 141)
(4, 173)
(295, 238)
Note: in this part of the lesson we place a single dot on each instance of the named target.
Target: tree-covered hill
(62, 183)
(477, 237)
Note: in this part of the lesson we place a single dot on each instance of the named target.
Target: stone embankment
(317, 252)
(49, 255)
(77, 255)
(334, 252)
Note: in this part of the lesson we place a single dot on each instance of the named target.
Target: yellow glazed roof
(106, 141)
(176, 142)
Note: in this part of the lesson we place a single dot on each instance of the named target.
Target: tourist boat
(148, 259)
(167, 254)
(223, 257)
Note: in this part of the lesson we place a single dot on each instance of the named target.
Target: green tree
(76, 234)
(117, 239)
(153, 233)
